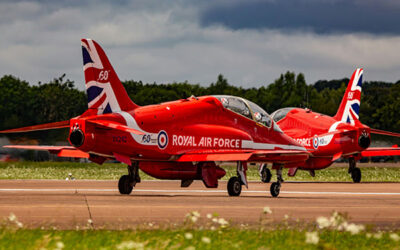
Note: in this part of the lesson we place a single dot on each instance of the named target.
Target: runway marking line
(185, 191)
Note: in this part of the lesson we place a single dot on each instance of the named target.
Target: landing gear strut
(235, 183)
(276, 186)
(354, 171)
(127, 182)
(265, 173)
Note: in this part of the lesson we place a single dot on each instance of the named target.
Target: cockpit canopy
(280, 114)
(245, 108)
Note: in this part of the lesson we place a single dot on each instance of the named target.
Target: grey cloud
(322, 17)
(164, 42)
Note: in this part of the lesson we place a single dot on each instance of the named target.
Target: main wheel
(266, 175)
(234, 186)
(275, 189)
(356, 175)
(124, 185)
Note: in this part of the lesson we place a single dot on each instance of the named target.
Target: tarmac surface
(68, 204)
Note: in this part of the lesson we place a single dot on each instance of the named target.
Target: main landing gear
(354, 171)
(235, 183)
(276, 186)
(127, 182)
(265, 173)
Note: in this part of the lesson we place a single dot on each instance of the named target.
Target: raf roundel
(315, 142)
(162, 139)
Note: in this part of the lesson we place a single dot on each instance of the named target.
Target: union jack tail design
(105, 91)
(350, 106)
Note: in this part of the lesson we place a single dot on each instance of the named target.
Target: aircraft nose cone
(77, 138)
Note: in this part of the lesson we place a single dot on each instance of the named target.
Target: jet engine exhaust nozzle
(77, 138)
(364, 141)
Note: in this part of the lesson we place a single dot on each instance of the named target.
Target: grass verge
(113, 171)
(193, 239)
(206, 232)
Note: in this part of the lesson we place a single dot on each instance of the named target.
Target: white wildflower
(19, 224)
(378, 235)
(312, 238)
(267, 210)
(193, 219)
(130, 245)
(12, 217)
(222, 222)
(188, 236)
(209, 216)
(354, 228)
(59, 245)
(286, 217)
(90, 221)
(215, 220)
(323, 222)
(206, 240)
(212, 228)
(196, 214)
(394, 237)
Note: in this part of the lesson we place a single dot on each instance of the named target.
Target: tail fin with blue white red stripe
(105, 91)
(349, 108)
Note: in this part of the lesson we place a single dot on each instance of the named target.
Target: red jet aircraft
(181, 140)
(330, 138)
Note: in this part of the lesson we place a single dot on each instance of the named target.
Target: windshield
(246, 108)
(280, 114)
(259, 114)
(235, 104)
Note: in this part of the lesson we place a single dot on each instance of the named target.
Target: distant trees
(22, 104)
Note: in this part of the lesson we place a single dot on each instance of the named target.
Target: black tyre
(234, 186)
(275, 189)
(356, 175)
(266, 175)
(124, 185)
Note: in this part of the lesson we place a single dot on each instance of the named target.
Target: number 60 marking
(103, 75)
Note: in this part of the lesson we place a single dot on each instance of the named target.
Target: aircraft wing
(275, 156)
(114, 125)
(60, 151)
(46, 126)
(381, 151)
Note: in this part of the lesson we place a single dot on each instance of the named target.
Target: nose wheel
(127, 182)
(275, 187)
(265, 173)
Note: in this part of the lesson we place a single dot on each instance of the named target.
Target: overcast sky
(250, 42)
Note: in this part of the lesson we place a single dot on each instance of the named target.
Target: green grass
(112, 171)
(201, 239)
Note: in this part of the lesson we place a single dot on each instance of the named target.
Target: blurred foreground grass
(191, 239)
(380, 172)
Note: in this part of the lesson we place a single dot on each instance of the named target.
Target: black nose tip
(364, 141)
(77, 137)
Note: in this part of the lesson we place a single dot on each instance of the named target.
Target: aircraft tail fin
(349, 108)
(105, 92)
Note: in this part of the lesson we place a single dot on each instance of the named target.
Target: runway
(68, 204)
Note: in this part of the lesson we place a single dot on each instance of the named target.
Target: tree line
(24, 104)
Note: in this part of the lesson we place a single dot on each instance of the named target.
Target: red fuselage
(326, 138)
(174, 128)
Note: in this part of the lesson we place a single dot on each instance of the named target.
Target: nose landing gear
(127, 182)
(265, 173)
(276, 186)
(235, 183)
